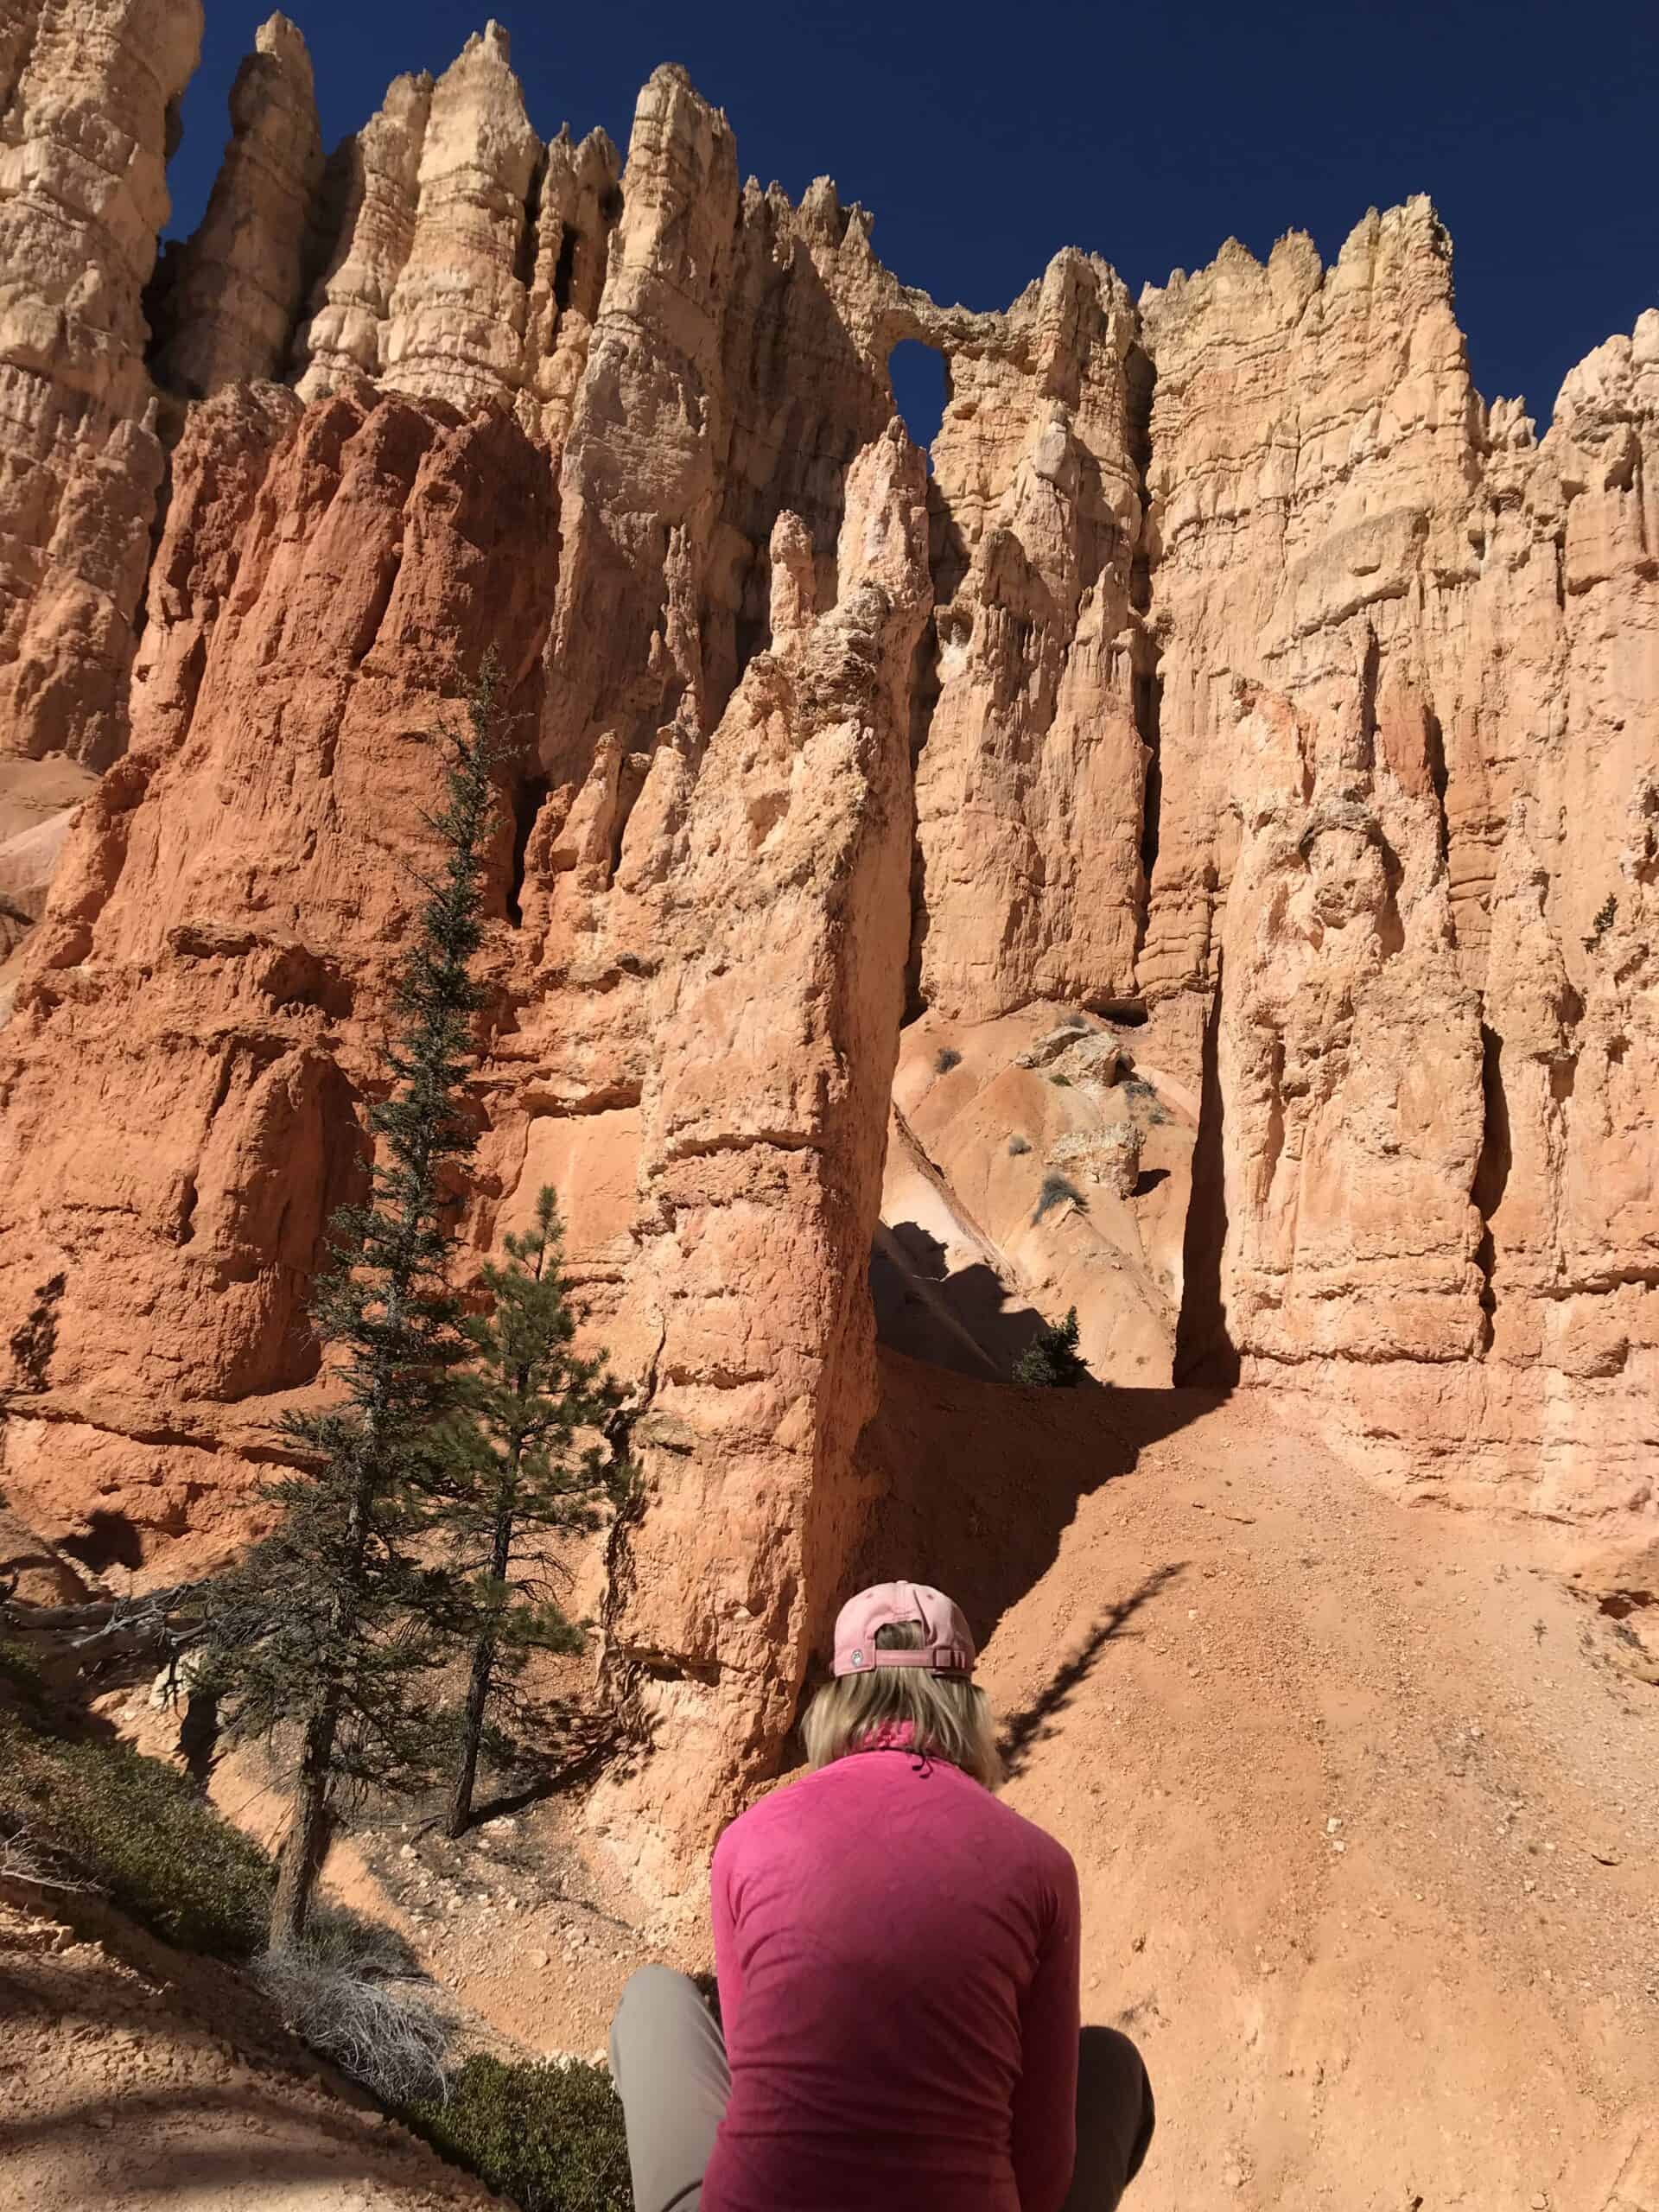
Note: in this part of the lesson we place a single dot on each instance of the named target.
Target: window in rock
(920, 377)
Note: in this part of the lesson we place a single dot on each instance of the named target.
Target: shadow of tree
(161, 2164)
(589, 1742)
(1032, 1724)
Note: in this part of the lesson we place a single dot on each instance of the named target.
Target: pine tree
(517, 1471)
(1053, 1362)
(329, 1623)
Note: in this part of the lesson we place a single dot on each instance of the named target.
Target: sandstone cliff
(1239, 682)
(88, 93)
(1408, 731)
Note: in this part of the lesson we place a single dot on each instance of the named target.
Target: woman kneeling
(897, 1956)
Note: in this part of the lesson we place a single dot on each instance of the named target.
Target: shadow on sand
(1034, 1724)
(971, 1484)
(967, 1321)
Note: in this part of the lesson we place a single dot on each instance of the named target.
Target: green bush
(1053, 1362)
(140, 1833)
(17, 1666)
(549, 2137)
(946, 1058)
(1018, 1145)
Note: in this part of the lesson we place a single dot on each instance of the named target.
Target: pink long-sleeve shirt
(898, 1964)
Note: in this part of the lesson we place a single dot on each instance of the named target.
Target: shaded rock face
(223, 304)
(1237, 681)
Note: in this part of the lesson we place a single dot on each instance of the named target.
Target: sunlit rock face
(1237, 679)
(86, 94)
(1409, 739)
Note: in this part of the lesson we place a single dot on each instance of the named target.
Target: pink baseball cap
(947, 1642)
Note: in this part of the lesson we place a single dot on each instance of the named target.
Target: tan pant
(668, 2061)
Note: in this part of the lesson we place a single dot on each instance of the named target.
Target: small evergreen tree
(327, 1624)
(517, 1470)
(1053, 1362)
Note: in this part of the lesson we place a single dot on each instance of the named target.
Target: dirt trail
(1365, 1800)
(138, 2078)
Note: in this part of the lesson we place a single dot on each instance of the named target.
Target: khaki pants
(667, 2060)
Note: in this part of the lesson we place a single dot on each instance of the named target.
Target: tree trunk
(477, 1690)
(478, 1699)
(311, 1826)
(306, 1844)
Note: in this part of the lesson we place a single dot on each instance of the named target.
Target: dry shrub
(1057, 1190)
(352, 1991)
(27, 1859)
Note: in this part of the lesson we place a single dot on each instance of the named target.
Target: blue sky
(985, 139)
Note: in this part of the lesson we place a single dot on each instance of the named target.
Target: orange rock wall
(1409, 737)
(1236, 665)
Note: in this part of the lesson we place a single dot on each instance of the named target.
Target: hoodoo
(1240, 689)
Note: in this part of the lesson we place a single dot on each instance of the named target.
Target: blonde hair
(948, 1717)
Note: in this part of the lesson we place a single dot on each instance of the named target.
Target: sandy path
(128, 2087)
(1365, 1807)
